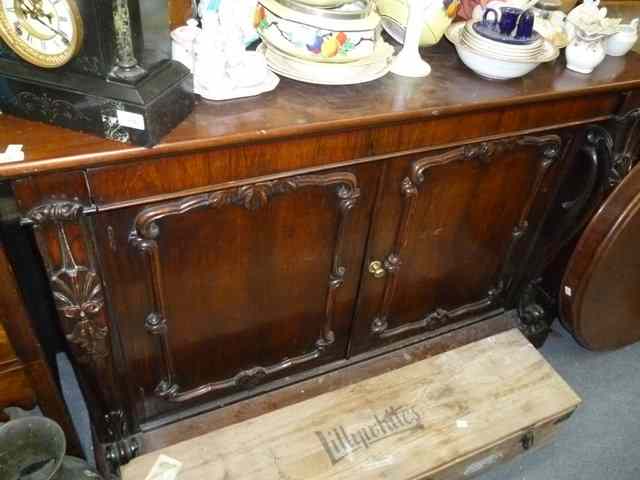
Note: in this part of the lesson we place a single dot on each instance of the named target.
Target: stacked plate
(361, 71)
(308, 41)
(499, 60)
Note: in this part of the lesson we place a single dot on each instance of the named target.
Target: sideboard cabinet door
(448, 233)
(217, 293)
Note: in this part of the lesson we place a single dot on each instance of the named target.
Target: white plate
(480, 47)
(471, 33)
(548, 53)
(383, 54)
(281, 65)
(270, 83)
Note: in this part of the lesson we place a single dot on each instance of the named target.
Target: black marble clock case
(85, 95)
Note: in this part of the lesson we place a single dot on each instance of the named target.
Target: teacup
(510, 20)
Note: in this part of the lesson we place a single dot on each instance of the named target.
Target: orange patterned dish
(346, 34)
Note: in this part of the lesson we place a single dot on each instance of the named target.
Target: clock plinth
(101, 67)
(140, 113)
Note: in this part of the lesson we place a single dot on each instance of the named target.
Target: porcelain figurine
(223, 68)
(620, 43)
(240, 12)
(409, 63)
(585, 52)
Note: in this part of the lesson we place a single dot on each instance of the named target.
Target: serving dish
(494, 62)
(346, 34)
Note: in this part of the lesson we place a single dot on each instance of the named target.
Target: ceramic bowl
(492, 68)
(438, 17)
(493, 64)
(347, 34)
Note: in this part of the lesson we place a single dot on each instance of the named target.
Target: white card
(165, 468)
(13, 153)
(131, 120)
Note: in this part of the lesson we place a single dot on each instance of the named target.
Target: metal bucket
(31, 448)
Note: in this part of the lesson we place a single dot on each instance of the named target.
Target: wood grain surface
(295, 109)
(414, 422)
(598, 299)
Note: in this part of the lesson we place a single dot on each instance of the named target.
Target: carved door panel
(220, 292)
(447, 234)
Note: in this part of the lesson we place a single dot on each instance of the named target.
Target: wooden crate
(448, 417)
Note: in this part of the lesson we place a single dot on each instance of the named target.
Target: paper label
(13, 153)
(130, 120)
(462, 424)
(165, 468)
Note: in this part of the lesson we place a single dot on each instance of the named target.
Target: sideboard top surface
(295, 109)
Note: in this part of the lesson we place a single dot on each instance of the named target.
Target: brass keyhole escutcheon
(377, 269)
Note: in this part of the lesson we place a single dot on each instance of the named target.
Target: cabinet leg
(535, 309)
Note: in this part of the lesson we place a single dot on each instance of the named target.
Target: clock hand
(35, 16)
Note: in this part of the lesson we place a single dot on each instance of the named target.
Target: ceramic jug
(438, 16)
(619, 44)
(585, 53)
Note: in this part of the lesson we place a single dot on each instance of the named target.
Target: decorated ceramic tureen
(344, 34)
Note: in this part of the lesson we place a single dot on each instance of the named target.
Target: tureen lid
(351, 10)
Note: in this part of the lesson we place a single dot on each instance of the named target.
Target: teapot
(620, 43)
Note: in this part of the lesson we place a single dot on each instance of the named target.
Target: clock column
(127, 67)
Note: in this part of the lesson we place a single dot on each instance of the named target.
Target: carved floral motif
(48, 108)
(77, 290)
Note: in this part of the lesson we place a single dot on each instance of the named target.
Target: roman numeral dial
(46, 33)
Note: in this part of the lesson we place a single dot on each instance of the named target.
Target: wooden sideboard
(269, 241)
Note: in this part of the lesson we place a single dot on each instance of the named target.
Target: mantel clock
(100, 66)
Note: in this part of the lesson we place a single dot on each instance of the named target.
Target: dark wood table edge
(97, 159)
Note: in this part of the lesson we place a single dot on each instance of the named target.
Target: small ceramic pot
(321, 35)
(584, 53)
(619, 44)
(183, 43)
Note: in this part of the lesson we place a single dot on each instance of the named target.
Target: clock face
(46, 33)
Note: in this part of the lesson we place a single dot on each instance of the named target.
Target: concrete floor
(600, 442)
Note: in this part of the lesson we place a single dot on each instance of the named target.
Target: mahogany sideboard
(307, 232)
